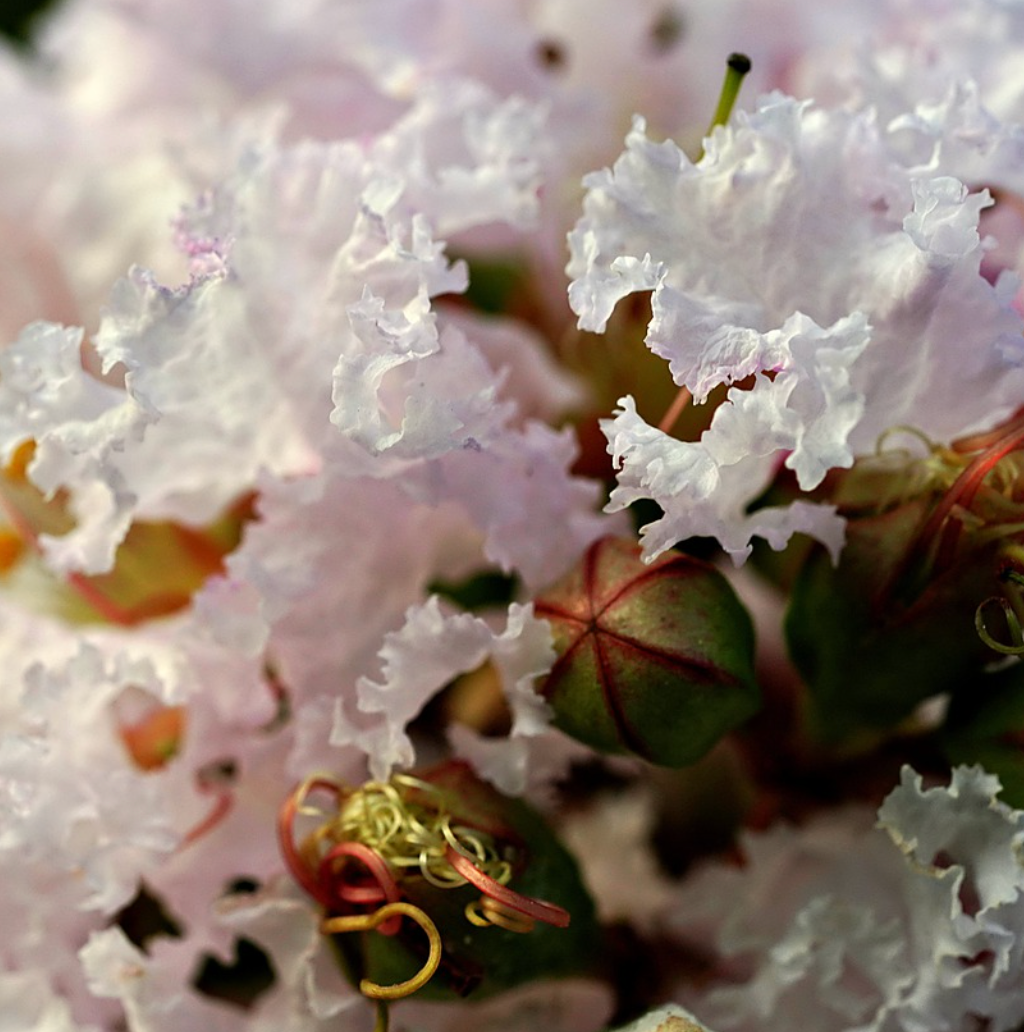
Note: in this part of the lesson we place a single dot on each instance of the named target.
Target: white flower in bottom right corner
(916, 925)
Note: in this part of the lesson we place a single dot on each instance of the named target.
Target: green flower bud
(872, 643)
(654, 659)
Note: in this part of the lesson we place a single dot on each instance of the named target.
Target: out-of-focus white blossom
(612, 839)
(917, 924)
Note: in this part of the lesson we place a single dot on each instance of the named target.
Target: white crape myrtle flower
(33, 282)
(429, 650)
(918, 924)
(127, 140)
(309, 994)
(944, 79)
(597, 63)
(78, 827)
(77, 805)
(227, 56)
(130, 137)
(137, 104)
(802, 266)
(593, 63)
(314, 385)
(27, 1002)
(85, 825)
(305, 365)
(317, 257)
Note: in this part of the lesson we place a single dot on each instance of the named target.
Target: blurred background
(16, 17)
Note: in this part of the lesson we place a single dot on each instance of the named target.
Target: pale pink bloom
(944, 79)
(612, 840)
(670, 1018)
(27, 1002)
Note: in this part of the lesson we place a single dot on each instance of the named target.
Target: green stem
(736, 68)
(382, 1023)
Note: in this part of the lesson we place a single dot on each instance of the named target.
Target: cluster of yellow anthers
(373, 840)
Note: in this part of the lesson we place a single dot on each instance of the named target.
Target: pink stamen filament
(978, 442)
(675, 410)
(294, 860)
(385, 887)
(103, 605)
(222, 806)
(538, 909)
(106, 607)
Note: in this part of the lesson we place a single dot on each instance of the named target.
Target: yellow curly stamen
(411, 831)
(485, 912)
(367, 922)
(402, 827)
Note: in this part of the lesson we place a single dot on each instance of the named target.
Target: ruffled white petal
(798, 251)
(425, 654)
(705, 487)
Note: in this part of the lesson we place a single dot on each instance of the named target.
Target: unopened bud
(654, 659)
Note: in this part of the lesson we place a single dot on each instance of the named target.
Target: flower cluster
(409, 412)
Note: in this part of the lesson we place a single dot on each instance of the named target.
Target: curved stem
(294, 860)
(386, 888)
